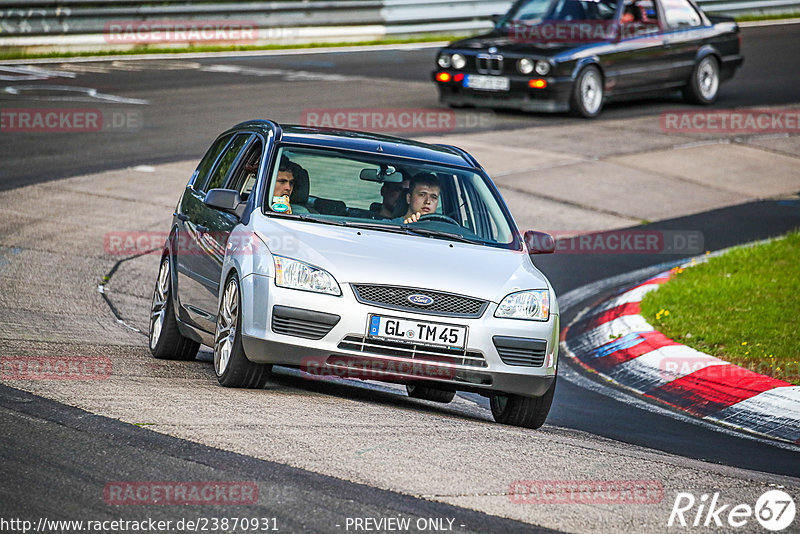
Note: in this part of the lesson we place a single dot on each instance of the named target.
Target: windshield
(382, 193)
(535, 11)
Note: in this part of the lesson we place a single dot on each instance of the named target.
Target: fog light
(443, 77)
(537, 84)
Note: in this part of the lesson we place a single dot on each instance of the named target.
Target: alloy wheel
(591, 92)
(707, 78)
(158, 310)
(226, 327)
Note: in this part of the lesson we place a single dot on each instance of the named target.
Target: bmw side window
(201, 173)
(681, 14)
(226, 161)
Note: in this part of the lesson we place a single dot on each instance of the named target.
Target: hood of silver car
(354, 255)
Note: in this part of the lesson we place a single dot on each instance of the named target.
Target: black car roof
(361, 141)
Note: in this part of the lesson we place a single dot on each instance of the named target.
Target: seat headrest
(330, 207)
(401, 206)
(300, 189)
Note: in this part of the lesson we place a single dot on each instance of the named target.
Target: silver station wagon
(355, 255)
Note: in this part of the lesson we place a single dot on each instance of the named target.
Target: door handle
(181, 216)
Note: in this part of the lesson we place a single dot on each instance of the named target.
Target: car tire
(703, 86)
(231, 366)
(588, 93)
(165, 340)
(527, 412)
(431, 394)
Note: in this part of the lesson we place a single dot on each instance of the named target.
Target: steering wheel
(438, 217)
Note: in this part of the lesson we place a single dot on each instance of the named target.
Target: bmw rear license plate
(417, 332)
(487, 83)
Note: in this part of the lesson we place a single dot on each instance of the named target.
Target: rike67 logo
(774, 511)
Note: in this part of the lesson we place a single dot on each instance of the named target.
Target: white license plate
(417, 332)
(487, 83)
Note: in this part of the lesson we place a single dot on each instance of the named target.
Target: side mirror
(495, 19)
(225, 200)
(539, 242)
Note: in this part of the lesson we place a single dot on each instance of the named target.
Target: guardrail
(91, 24)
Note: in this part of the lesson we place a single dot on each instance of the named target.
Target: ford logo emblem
(420, 300)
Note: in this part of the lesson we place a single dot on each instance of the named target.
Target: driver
(422, 196)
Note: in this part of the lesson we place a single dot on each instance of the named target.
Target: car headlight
(458, 61)
(525, 65)
(444, 61)
(542, 68)
(532, 305)
(299, 275)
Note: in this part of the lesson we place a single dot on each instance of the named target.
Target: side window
(244, 179)
(228, 158)
(681, 14)
(201, 174)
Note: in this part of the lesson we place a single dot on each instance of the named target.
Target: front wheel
(528, 412)
(231, 366)
(588, 93)
(166, 341)
(703, 87)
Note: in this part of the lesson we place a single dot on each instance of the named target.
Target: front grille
(380, 347)
(489, 64)
(520, 351)
(396, 298)
(302, 323)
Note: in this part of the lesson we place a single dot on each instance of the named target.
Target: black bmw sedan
(574, 55)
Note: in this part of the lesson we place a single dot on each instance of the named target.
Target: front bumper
(343, 350)
(553, 98)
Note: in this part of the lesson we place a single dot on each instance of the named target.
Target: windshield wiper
(414, 230)
(448, 235)
(386, 227)
(308, 217)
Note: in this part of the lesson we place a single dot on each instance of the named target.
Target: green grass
(742, 307)
(145, 49)
(771, 16)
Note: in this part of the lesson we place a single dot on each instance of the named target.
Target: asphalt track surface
(190, 106)
(49, 450)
